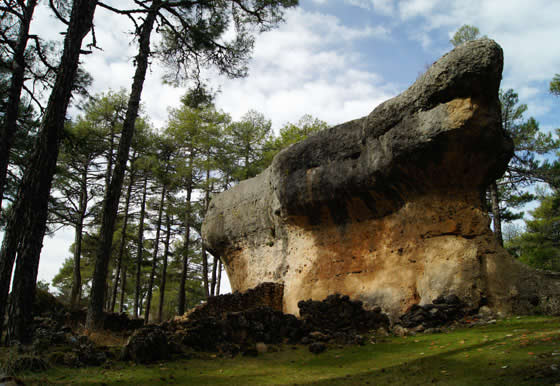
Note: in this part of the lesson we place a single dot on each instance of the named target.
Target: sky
(336, 60)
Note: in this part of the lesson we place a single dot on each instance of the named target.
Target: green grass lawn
(515, 351)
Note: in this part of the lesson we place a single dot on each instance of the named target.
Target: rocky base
(338, 313)
(443, 310)
(336, 320)
(264, 295)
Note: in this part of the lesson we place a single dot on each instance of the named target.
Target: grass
(515, 351)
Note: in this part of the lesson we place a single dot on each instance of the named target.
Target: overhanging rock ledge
(387, 208)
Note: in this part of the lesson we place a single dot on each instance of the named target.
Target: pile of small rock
(147, 344)
(338, 320)
(339, 313)
(235, 331)
(61, 345)
(264, 295)
(441, 312)
(335, 320)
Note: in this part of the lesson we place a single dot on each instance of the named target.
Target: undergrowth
(514, 351)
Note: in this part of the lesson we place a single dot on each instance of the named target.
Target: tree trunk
(77, 276)
(123, 287)
(27, 223)
(184, 270)
(496, 213)
(205, 272)
(107, 300)
(110, 205)
(123, 241)
(247, 163)
(109, 170)
(154, 258)
(9, 126)
(164, 268)
(214, 277)
(219, 277)
(140, 250)
(207, 289)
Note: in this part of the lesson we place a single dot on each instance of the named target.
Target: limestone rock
(387, 208)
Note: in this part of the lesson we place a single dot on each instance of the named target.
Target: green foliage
(524, 168)
(539, 246)
(200, 150)
(27, 128)
(247, 139)
(198, 97)
(293, 133)
(555, 85)
(217, 34)
(465, 34)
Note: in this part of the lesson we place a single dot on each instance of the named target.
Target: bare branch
(41, 54)
(30, 93)
(57, 14)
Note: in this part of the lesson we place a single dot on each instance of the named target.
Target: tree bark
(123, 241)
(205, 273)
(496, 213)
(219, 277)
(140, 250)
(109, 170)
(77, 276)
(204, 254)
(123, 288)
(9, 126)
(94, 319)
(164, 268)
(27, 223)
(154, 258)
(214, 277)
(181, 296)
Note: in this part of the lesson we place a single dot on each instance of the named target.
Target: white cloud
(54, 252)
(384, 7)
(525, 30)
(307, 66)
(414, 8)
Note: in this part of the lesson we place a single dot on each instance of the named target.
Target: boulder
(388, 208)
(148, 344)
(338, 313)
(264, 295)
(442, 311)
(262, 324)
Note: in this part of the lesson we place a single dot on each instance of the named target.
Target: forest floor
(513, 351)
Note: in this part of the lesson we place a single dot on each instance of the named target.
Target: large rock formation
(387, 208)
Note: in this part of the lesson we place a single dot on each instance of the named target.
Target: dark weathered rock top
(367, 154)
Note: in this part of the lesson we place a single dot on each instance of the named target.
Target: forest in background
(136, 195)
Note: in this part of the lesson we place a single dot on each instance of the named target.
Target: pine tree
(247, 139)
(193, 35)
(524, 168)
(27, 223)
(539, 245)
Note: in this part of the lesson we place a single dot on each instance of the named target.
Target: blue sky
(337, 60)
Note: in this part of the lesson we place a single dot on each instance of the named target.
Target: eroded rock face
(387, 208)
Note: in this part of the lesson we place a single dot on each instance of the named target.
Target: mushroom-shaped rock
(388, 208)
